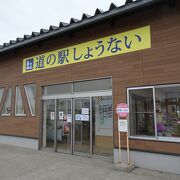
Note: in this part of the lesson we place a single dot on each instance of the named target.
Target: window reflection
(31, 96)
(102, 125)
(142, 112)
(19, 108)
(168, 111)
(1, 94)
(8, 103)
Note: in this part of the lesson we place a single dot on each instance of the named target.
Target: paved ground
(25, 164)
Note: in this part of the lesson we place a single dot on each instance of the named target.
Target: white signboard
(61, 114)
(85, 111)
(122, 125)
(52, 115)
(82, 117)
(69, 118)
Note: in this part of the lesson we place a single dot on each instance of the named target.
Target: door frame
(73, 96)
(56, 118)
(90, 130)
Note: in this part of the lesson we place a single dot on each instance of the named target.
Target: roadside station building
(59, 88)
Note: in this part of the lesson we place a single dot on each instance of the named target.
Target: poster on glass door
(61, 115)
(82, 117)
(69, 118)
(85, 111)
(52, 115)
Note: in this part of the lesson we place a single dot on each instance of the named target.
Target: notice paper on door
(85, 117)
(78, 117)
(85, 111)
(69, 118)
(52, 115)
(61, 115)
(82, 117)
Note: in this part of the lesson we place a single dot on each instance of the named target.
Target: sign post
(122, 112)
(128, 155)
(119, 133)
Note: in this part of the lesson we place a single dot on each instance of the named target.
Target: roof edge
(79, 24)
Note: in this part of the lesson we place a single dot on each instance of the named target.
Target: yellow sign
(125, 42)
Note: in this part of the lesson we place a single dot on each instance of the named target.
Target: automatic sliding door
(82, 125)
(49, 123)
(102, 125)
(79, 131)
(64, 121)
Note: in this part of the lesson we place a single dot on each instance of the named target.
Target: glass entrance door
(64, 125)
(82, 135)
(79, 126)
(49, 123)
(102, 120)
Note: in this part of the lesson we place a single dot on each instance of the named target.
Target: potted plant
(176, 129)
(161, 128)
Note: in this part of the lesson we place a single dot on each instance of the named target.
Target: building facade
(59, 88)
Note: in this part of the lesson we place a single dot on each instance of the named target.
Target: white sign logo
(122, 125)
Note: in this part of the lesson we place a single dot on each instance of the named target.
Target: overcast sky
(19, 17)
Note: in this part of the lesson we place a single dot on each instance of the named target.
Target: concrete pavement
(27, 164)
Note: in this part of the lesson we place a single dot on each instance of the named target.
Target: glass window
(168, 111)
(48, 123)
(141, 112)
(58, 89)
(93, 85)
(31, 96)
(1, 94)
(8, 103)
(19, 108)
(102, 120)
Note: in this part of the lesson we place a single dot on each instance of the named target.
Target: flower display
(161, 127)
(177, 128)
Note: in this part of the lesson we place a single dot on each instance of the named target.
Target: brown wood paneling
(158, 65)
